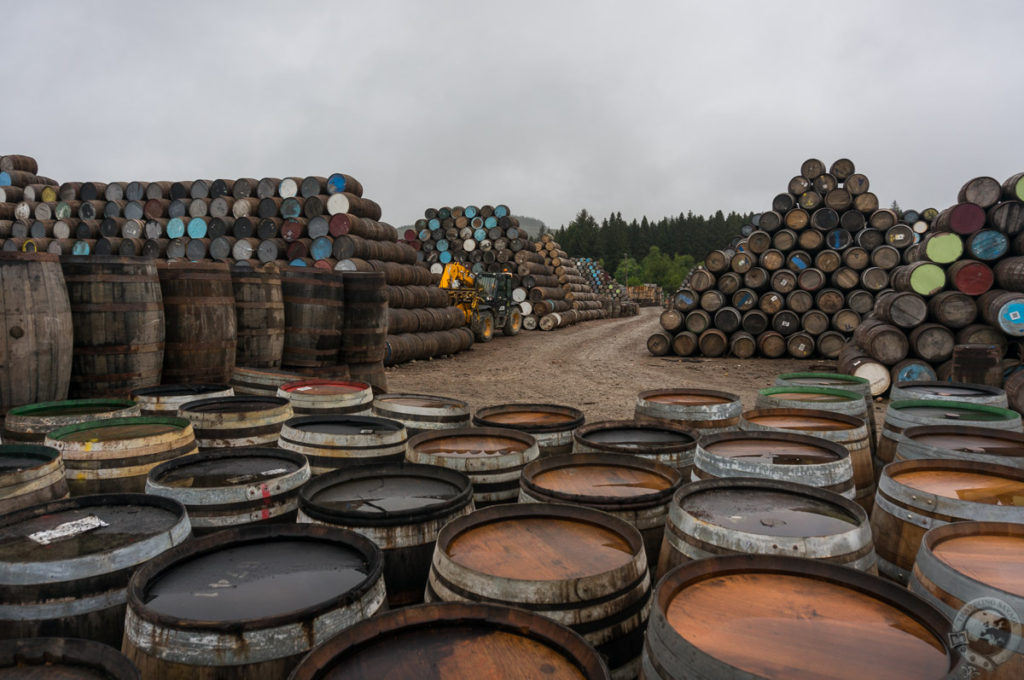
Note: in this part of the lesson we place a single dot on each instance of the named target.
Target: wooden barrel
(201, 330)
(905, 310)
(672, 445)
(768, 517)
(30, 475)
(631, 488)
(400, 507)
(115, 455)
(957, 442)
(971, 572)
(165, 400)
(704, 410)
(706, 621)
(923, 278)
(970, 277)
(35, 330)
(63, 657)
(255, 381)
(314, 301)
(259, 315)
(457, 640)
(226, 488)
(917, 495)
(31, 423)
(949, 391)
(953, 309)
(815, 390)
(118, 317)
(550, 424)
(1003, 310)
(422, 412)
(322, 397)
(492, 457)
(659, 343)
(64, 566)
(365, 319)
(330, 442)
(227, 422)
(578, 566)
(324, 580)
(932, 342)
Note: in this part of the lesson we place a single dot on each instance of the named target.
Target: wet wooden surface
(997, 561)
(602, 480)
(976, 487)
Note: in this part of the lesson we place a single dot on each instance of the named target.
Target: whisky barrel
(322, 396)
(31, 423)
(1004, 310)
(165, 400)
(314, 301)
(970, 277)
(953, 309)
(226, 422)
(225, 488)
(949, 391)
(422, 412)
(672, 445)
(932, 342)
(259, 315)
(63, 657)
(365, 318)
(659, 343)
(981, 191)
(550, 424)
(704, 410)
(578, 566)
(685, 343)
(65, 565)
(330, 442)
(324, 580)
(30, 475)
(884, 342)
(906, 310)
(259, 381)
(401, 507)
(923, 278)
(957, 442)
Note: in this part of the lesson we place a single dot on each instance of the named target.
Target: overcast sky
(648, 108)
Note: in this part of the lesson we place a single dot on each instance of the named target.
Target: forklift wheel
(514, 323)
(484, 330)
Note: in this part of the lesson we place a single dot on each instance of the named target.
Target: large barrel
(949, 391)
(399, 506)
(199, 311)
(577, 566)
(708, 411)
(314, 303)
(330, 442)
(33, 422)
(709, 619)
(324, 580)
(259, 315)
(165, 400)
(365, 319)
(29, 475)
(118, 317)
(492, 457)
(633, 489)
(454, 640)
(116, 454)
(63, 657)
(35, 330)
(550, 424)
(259, 381)
(226, 488)
(673, 446)
(64, 566)
(422, 412)
(226, 422)
(917, 495)
(320, 396)
(971, 572)
(960, 442)
(765, 516)
(840, 381)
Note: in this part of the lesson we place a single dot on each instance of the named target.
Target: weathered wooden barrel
(165, 400)
(64, 566)
(671, 445)
(201, 329)
(331, 442)
(29, 475)
(707, 411)
(324, 580)
(457, 640)
(259, 381)
(422, 412)
(708, 621)
(628, 487)
(959, 442)
(399, 506)
(63, 658)
(365, 319)
(836, 392)
(579, 567)
(118, 317)
(115, 455)
(226, 488)
(848, 431)
(492, 457)
(765, 516)
(31, 423)
(323, 397)
(949, 391)
(901, 415)
(971, 572)
(35, 330)
(917, 495)
(259, 316)
(314, 302)
(550, 424)
(227, 422)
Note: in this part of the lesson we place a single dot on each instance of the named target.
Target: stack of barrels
(571, 299)
(485, 237)
(803, 277)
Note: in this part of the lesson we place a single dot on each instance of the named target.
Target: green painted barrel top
(944, 248)
(928, 279)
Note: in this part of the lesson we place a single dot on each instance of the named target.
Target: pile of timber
(647, 295)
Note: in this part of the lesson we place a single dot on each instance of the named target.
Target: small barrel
(330, 442)
(709, 617)
(628, 487)
(326, 397)
(550, 424)
(399, 506)
(492, 457)
(165, 400)
(958, 442)
(949, 391)
(29, 475)
(259, 381)
(708, 411)
(422, 412)
(64, 566)
(227, 422)
(917, 495)
(578, 566)
(63, 658)
(767, 517)
(324, 580)
(31, 423)
(226, 488)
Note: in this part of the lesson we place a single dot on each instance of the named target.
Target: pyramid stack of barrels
(801, 279)
(603, 283)
(485, 238)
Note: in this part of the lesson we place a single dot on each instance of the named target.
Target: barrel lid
(18, 457)
(71, 407)
(972, 440)
(991, 553)
(805, 420)
(64, 659)
(628, 435)
(820, 379)
(218, 468)
(118, 429)
(810, 393)
(344, 424)
(988, 484)
(471, 442)
(530, 417)
(419, 403)
(692, 397)
(184, 390)
(601, 478)
(241, 404)
(774, 448)
(924, 389)
(322, 386)
(959, 411)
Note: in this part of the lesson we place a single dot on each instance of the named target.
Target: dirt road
(598, 367)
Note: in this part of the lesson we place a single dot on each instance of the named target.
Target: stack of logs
(959, 299)
(802, 279)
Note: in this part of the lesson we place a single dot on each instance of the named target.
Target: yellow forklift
(485, 299)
